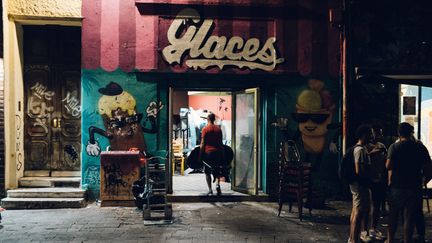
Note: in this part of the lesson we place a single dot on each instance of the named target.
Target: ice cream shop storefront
(152, 71)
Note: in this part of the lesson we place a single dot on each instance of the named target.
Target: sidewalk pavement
(193, 222)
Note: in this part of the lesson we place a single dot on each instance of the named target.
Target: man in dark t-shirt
(405, 161)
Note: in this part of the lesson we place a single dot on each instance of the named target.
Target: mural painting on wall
(314, 113)
(207, 50)
(311, 124)
(314, 110)
(122, 122)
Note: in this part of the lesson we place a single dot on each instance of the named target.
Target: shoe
(365, 237)
(218, 190)
(350, 241)
(376, 235)
(210, 193)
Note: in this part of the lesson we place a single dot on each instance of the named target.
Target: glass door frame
(418, 108)
(256, 140)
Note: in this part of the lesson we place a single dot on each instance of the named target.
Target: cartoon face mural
(314, 113)
(121, 121)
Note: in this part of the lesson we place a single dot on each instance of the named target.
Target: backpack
(346, 166)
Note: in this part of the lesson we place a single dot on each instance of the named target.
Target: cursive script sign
(215, 50)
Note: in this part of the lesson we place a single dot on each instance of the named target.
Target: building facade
(275, 61)
(41, 43)
(390, 72)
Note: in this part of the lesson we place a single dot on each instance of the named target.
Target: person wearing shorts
(361, 198)
(211, 152)
(378, 177)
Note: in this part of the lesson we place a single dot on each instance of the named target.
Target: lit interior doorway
(416, 109)
(189, 112)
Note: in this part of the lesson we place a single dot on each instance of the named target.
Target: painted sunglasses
(304, 117)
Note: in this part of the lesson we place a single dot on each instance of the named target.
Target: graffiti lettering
(19, 161)
(37, 106)
(92, 176)
(41, 122)
(19, 155)
(72, 104)
(40, 91)
(114, 178)
(72, 155)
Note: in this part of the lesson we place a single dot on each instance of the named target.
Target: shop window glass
(426, 117)
(409, 105)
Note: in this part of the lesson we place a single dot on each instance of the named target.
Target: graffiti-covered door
(52, 99)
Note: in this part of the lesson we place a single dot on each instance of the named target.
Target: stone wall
(46, 8)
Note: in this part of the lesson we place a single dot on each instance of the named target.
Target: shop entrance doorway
(237, 115)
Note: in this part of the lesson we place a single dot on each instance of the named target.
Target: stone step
(49, 181)
(42, 203)
(53, 192)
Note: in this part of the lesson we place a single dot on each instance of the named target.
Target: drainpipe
(345, 71)
(338, 19)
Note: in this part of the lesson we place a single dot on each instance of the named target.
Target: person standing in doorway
(378, 175)
(211, 152)
(405, 161)
(360, 187)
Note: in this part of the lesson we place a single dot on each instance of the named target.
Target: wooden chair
(178, 155)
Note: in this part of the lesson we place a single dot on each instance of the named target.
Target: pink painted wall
(211, 103)
(130, 34)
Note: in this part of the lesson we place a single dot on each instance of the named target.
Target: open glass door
(245, 141)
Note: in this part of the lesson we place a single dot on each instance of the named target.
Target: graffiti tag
(72, 155)
(92, 176)
(114, 178)
(72, 104)
(38, 107)
(41, 91)
(18, 151)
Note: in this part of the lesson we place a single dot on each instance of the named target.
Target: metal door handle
(56, 122)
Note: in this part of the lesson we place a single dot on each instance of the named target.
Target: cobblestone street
(194, 222)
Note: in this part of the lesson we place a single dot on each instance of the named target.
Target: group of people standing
(399, 172)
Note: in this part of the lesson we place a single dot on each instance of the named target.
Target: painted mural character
(122, 122)
(314, 113)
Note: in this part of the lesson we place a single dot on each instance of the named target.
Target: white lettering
(72, 104)
(215, 50)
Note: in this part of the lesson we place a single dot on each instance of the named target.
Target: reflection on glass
(426, 118)
(409, 105)
(245, 132)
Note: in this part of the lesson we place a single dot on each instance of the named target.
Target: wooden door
(52, 92)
